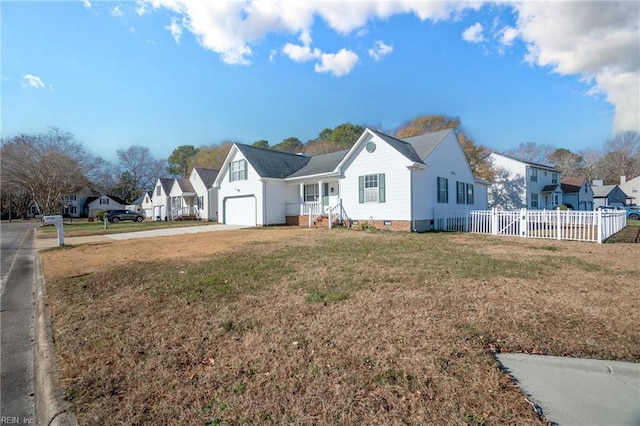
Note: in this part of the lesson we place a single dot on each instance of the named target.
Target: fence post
(558, 224)
(524, 226)
(599, 225)
(494, 221)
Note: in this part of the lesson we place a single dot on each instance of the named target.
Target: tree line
(44, 167)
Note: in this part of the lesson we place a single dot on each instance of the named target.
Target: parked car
(633, 213)
(610, 208)
(116, 216)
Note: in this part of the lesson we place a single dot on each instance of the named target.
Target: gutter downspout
(413, 216)
(264, 203)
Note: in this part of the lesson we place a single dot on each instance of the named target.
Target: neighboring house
(387, 182)
(523, 184)
(631, 187)
(34, 209)
(183, 199)
(192, 197)
(74, 203)
(142, 205)
(95, 205)
(577, 193)
(607, 195)
(206, 197)
(161, 201)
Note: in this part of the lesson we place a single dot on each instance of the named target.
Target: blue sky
(165, 73)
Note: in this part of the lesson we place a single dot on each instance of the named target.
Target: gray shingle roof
(185, 185)
(602, 191)
(541, 166)
(319, 164)
(568, 188)
(425, 143)
(208, 176)
(550, 188)
(402, 147)
(272, 164)
(166, 184)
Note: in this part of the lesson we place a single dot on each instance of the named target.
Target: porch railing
(177, 212)
(337, 214)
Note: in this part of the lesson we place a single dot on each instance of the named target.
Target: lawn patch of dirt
(284, 325)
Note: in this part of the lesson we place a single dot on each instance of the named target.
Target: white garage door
(240, 211)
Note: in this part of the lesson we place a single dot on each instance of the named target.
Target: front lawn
(274, 326)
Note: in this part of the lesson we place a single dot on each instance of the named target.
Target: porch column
(321, 197)
(301, 195)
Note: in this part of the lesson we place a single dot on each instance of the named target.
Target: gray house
(607, 195)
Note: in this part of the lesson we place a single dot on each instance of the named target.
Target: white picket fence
(593, 226)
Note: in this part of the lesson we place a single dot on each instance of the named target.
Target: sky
(165, 73)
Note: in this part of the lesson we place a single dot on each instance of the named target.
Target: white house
(191, 197)
(206, 200)
(161, 201)
(387, 182)
(577, 193)
(142, 205)
(95, 205)
(74, 203)
(523, 184)
(631, 187)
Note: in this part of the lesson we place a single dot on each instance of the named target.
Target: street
(17, 321)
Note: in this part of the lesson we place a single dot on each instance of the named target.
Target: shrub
(101, 215)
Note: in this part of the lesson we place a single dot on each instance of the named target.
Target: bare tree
(570, 163)
(530, 151)
(138, 171)
(621, 158)
(47, 166)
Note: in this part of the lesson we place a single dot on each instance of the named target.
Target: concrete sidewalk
(572, 391)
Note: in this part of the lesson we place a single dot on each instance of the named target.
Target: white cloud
(508, 36)
(229, 28)
(116, 11)
(379, 50)
(596, 40)
(175, 29)
(30, 80)
(87, 4)
(272, 55)
(338, 64)
(299, 53)
(474, 34)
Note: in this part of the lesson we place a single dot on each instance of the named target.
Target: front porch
(184, 207)
(315, 214)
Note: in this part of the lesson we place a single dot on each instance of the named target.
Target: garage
(240, 211)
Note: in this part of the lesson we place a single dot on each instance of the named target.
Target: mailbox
(55, 220)
(52, 220)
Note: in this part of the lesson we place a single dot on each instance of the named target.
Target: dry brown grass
(316, 327)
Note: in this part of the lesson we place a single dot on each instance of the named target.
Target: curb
(50, 406)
